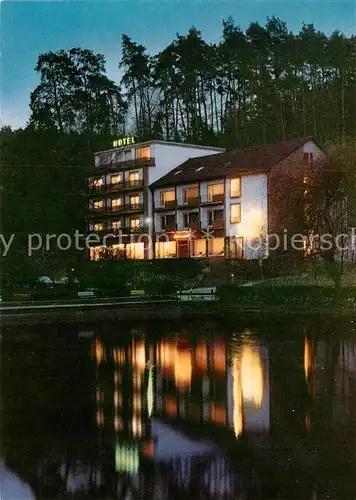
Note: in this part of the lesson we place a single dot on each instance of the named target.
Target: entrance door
(183, 249)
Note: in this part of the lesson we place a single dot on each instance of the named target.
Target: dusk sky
(30, 28)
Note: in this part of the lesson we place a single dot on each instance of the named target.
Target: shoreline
(163, 310)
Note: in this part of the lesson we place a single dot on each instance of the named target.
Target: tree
(75, 95)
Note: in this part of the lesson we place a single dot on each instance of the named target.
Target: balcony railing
(119, 208)
(192, 225)
(192, 201)
(167, 204)
(213, 198)
(106, 162)
(116, 186)
(218, 224)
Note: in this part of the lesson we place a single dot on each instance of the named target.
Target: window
(216, 192)
(235, 213)
(116, 224)
(116, 202)
(166, 249)
(143, 152)
(191, 194)
(134, 200)
(168, 222)
(99, 226)
(134, 176)
(235, 187)
(167, 198)
(135, 251)
(307, 159)
(115, 179)
(95, 183)
(198, 247)
(98, 204)
(134, 223)
(191, 218)
(216, 247)
(215, 215)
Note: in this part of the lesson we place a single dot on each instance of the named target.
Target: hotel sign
(123, 141)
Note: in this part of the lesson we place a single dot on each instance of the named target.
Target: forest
(254, 86)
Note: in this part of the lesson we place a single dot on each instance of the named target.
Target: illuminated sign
(124, 141)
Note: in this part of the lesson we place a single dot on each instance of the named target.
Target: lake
(243, 409)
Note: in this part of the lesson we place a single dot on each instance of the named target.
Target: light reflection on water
(201, 408)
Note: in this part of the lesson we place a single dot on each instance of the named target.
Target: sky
(30, 28)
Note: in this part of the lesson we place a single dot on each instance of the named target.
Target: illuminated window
(235, 187)
(134, 176)
(191, 194)
(167, 198)
(99, 226)
(216, 247)
(134, 223)
(98, 204)
(116, 224)
(134, 200)
(94, 183)
(198, 248)
(135, 250)
(116, 179)
(95, 252)
(166, 249)
(116, 202)
(216, 192)
(143, 152)
(235, 213)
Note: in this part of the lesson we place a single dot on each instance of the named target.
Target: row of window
(213, 216)
(114, 179)
(214, 192)
(134, 200)
(132, 223)
(123, 155)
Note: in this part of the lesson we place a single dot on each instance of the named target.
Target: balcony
(214, 198)
(133, 184)
(166, 205)
(189, 202)
(134, 207)
(106, 162)
(194, 226)
(168, 228)
(116, 186)
(218, 224)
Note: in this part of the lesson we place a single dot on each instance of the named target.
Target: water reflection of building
(206, 382)
(124, 397)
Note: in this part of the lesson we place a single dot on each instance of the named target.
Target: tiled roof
(231, 162)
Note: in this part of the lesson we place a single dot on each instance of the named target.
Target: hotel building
(120, 201)
(219, 205)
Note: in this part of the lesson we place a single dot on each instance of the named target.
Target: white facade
(251, 202)
(121, 194)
